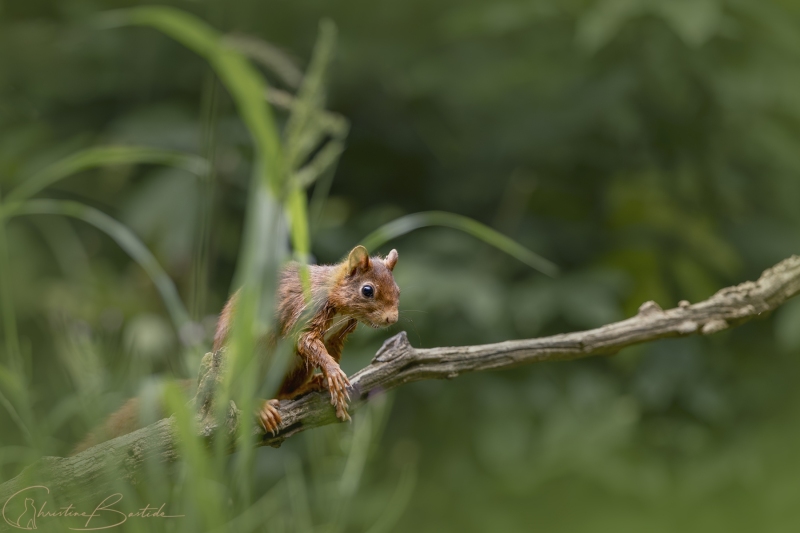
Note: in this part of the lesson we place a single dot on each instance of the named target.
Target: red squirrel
(359, 289)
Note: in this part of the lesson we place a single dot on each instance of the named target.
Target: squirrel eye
(368, 291)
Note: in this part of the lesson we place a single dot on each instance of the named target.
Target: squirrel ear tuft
(358, 259)
(391, 260)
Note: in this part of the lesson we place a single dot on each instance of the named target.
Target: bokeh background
(649, 148)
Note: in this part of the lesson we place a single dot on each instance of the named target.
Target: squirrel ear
(358, 259)
(391, 260)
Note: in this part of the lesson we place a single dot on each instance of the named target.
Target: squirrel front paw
(269, 417)
(337, 384)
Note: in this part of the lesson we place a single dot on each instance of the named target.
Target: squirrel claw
(342, 414)
(269, 417)
(338, 383)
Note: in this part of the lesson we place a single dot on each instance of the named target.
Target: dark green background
(650, 148)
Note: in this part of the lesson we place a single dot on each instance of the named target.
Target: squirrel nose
(390, 318)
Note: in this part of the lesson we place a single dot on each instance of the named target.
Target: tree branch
(397, 363)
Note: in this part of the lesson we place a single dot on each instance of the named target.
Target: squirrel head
(367, 290)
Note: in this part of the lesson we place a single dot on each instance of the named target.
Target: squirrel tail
(121, 422)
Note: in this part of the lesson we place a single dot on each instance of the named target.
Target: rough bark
(397, 363)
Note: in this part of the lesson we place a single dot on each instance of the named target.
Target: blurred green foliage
(649, 148)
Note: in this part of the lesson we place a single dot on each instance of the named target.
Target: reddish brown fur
(123, 421)
(336, 291)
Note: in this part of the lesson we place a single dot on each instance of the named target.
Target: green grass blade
(409, 223)
(297, 211)
(303, 133)
(123, 236)
(104, 156)
(262, 249)
(240, 77)
(264, 235)
(267, 55)
(326, 159)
